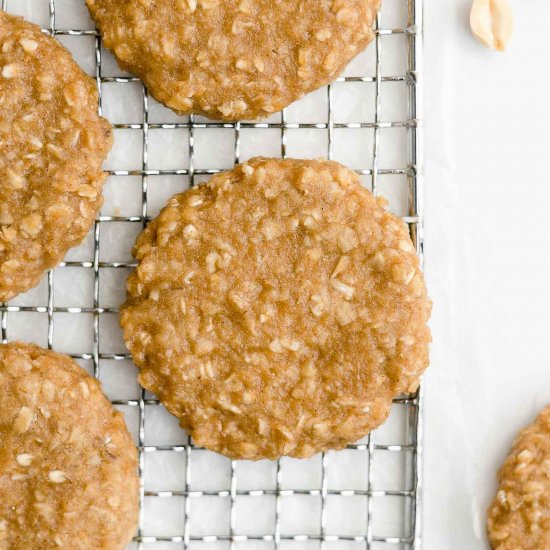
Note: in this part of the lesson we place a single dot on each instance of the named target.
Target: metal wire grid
(277, 537)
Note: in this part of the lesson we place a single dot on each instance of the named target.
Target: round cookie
(52, 145)
(237, 59)
(68, 466)
(277, 309)
(519, 516)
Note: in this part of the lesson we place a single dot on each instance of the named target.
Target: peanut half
(492, 22)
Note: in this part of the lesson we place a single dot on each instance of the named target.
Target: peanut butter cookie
(236, 59)
(277, 309)
(68, 466)
(519, 517)
(52, 144)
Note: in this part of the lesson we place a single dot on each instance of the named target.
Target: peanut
(491, 22)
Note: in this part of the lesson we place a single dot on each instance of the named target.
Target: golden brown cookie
(52, 144)
(68, 466)
(277, 309)
(234, 59)
(519, 517)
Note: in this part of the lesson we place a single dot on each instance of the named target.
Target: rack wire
(367, 496)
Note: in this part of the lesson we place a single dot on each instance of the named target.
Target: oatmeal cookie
(68, 466)
(234, 59)
(277, 309)
(519, 517)
(52, 144)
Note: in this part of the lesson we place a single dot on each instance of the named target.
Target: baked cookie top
(519, 517)
(234, 59)
(52, 144)
(68, 466)
(277, 309)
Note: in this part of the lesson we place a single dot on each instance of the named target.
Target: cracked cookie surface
(68, 466)
(519, 516)
(237, 59)
(277, 309)
(52, 145)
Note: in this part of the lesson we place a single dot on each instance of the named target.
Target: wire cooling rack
(367, 496)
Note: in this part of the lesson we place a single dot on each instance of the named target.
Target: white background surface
(488, 258)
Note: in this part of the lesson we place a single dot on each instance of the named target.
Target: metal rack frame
(413, 172)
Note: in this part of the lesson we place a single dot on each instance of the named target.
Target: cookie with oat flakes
(68, 466)
(277, 309)
(236, 59)
(52, 146)
(519, 516)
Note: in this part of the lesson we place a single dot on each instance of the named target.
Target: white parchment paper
(487, 260)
